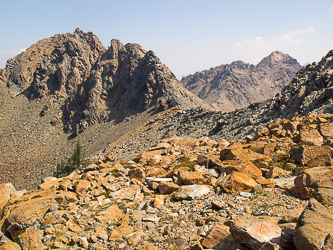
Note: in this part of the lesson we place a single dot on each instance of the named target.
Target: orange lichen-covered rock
(312, 156)
(190, 178)
(310, 136)
(216, 236)
(244, 167)
(112, 213)
(236, 152)
(236, 182)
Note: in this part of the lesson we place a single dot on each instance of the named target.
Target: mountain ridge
(237, 85)
(64, 85)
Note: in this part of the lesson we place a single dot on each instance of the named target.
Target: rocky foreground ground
(271, 191)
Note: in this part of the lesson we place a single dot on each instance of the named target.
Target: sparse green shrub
(324, 203)
(151, 239)
(283, 164)
(106, 194)
(74, 161)
(60, 168)
(184, 161)
(14, 238)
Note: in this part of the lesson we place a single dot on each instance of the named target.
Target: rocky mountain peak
(275, 58)
(91, 83)
(53, 65)
(70, 87)
(237, 85)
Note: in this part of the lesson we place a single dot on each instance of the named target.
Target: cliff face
(126, 80)
(237, 85)
(92, 83)
(63, 86)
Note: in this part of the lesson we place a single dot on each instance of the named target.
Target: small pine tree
(60, 168)
(77, 156)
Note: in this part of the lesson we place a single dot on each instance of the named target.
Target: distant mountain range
(237, 85)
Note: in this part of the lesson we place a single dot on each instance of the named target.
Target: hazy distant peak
(275, 58)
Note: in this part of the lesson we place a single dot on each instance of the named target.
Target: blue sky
(187, 36)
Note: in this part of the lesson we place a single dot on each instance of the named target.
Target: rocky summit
(270, 192)
(237, 85)
(69, 84)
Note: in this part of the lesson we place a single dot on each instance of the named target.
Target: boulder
(236, 182)
(10, 246)
(244, 167)
(31, 239)
(190, 178)
(167, 187)
(112, 213)
(267, 183)
(255, 233)
(157, 172)
(216, 237)
(34, 211)
(314, 226)
(326, 129)
(154, 179)
(135, 238)
(81, 187)
(149, 246)
(121, 232)
(310, 136)
(49, 182)
(285, 183)
(6, 190)
(236, 152)
(312, 156)
(276, 172)
(315, 182)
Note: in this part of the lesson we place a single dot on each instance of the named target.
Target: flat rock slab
(285, 182)
(191, 192)
(152, 218)
(155, 179)
(255, 233)
(126, 193)
(112, 213)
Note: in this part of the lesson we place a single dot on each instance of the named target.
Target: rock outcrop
(237, 85)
